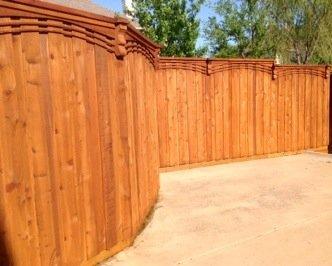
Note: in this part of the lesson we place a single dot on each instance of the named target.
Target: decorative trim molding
(120, 40)
(198, 65)
(213, 66)
(315, 70)
(111, 33)
(10, 25)
(218, 66)
(135, 47)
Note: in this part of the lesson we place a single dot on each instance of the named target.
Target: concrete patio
(274, 211)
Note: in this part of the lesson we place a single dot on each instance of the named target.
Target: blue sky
(116, 6)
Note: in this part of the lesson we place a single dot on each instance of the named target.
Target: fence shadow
(4, 252)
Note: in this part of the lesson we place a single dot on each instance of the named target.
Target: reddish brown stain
(8, 93)
(11, 186)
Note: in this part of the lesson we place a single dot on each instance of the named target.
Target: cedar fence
(217, 110)
(89, 113)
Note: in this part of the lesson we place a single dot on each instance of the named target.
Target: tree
(173, 23)
(240, 30)
(298, 31)
(302, 29)
(323, 49)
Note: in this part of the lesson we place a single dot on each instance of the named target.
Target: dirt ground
(266, 212)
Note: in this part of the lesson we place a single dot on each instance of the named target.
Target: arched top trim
(220, 66)
(193, 64)
(41, 25)
(112, 33)
(213, 66)
(135, 47)
(315, 70)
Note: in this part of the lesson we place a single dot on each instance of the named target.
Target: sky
(116, 5)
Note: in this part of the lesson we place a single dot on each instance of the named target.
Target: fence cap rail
(302, 66)
(239, 60)
(198, 59)
(108, 25)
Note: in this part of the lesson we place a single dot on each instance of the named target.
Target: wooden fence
(78, 139)
(216, 110)
(89, 112)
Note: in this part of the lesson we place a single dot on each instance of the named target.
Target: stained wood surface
(89, 113)
(241, 109)
(79, 146)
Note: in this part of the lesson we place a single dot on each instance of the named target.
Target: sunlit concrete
(266, 212)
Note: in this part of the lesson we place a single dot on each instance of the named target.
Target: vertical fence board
(251, 112)
(236, 113)
(273, 147)
(313, 121)
(65, 159)
(259, 112)
(219, 116)
(320, 115)
(37, 135)
(288, 113)
(243, 112)
(131, 116)
(266, 113)
(141, 131)
(307, 111)
(201, 141)
(226, 91)
(182, 116)
(104, 122)
(209, 118)
(301, 126)
(163, 131)
(17, 167)
(81, 156)
(172, 117)
(326, 114)
(295, 110)
(95, 216)
(192, 117)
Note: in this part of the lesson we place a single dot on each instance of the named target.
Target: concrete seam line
(248, 239)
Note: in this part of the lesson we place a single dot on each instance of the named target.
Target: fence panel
(239, 109)
(79, 152)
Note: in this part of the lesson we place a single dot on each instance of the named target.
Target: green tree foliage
(173, 23)
(298, 31)
(240, 29)
(323, 48)
(301, 29)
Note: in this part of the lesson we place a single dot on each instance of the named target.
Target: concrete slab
(274, 211)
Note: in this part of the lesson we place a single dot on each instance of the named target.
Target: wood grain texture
(89, 113)
(245, 112)
(79, 157)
